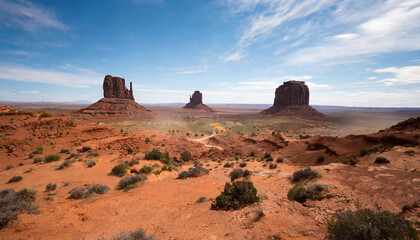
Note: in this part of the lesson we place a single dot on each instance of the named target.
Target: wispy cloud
(401, 75)
(191, 71)
(66, 75)
(15, 52)
(28, 16)
(30, 92)
(236, 56)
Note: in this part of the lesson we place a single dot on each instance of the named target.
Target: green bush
(130, 150)
(86, 148)
(90, 163)
(130, 180)
(236, 173)
(235, 196)
(155, 154)
(50, 187)
(63, 150)
(242, 164)
(119, 170)
(139, 234)
(320, 158)
(92, 154)
(297, 193)
(228, 165)
(52, 158)
(367, 224)
(272, 165)
(65, 164)
(15, 179)
(193, 172)
(45, 114)
(38, 150)
(305, 174)
(38, 160)
(186, 156)
(380, 160)
(314, 189)
(146, 169)
(280, 160)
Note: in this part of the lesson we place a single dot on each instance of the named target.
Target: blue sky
(350, 53)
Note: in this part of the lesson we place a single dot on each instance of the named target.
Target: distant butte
(292, 99)
(196, 102)
(118, 102)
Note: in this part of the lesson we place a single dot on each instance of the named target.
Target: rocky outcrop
(114, 87)
(118, 102)
(292, 99)
(196, 102)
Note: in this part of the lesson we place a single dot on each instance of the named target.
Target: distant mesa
(292, 99)
(118, 102)
(196, 102)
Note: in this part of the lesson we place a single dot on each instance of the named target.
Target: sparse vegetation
(90, 163)
(297, 193)
(50, 187)
(320, 158)
(193, 172)
(92, 154)
(63, 150)
(367, 224)
(201, 199)
(52, 158)
(235, 196)
(272, 165)
(130, 150)
(65, 164)
(119, 169)
(351, 161)
(9, 167)
(146, 169)
(85, 148)
(85, 192)
(242, 164)
(139, 234)
(314, 189)
(130, 180)
(305, 174)
(228, 165)
(280, 160)
(15, 179)
(12, 203)
(38, 150)
(38, 160)
(236, 173)
(186, 156)
(380, 160)
(45, 114)
(155, 154)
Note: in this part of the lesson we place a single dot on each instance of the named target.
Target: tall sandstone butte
(118, 102)
(196, 102)
(292, 99)
(114, 87)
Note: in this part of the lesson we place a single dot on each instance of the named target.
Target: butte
(118, 102)
(196, 103)
(292, 99)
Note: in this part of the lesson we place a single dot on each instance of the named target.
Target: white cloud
(191, 72)
(29, 16)
(312, 85)
(236, 56)
(372, 78)
(392, 27)
(30, 92)
(401, 75)
(69, 76)
(15, 52)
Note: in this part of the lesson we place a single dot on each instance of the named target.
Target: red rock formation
(114, 87)
(292, 99)
(118, 102)
(196, 102)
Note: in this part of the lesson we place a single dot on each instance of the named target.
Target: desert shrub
(269, 159)
(272, 165)
(351, 161)
(167, 168)
(65, 164)
(297, 193)
(12, 203)
(130, 150)
(260, 213)
(314, 189)
(201, 199)
(186, 156)
(155, 154)
(305, 174)
(410, 152)
(166, 158)
(93, 154)
(63, 150)
(320, 158)
(146, 169)
(193, 172)
(235, 196)
(266, 155)
(280, 160)
(380, 160)
(85, 192)
(119, 169)
(45, 114)
(228, 165)
(130, 180)
(242, 164)
(74, 155)
(139, 234)
(15, 179)
(90, 163)
(236, 173)
(52, 158)
(133, 162)
(414, 143)
(50, 187)
(38, 160)
(9, 167)
(367, 224)
(364, 152)
(246, 173)
(38, 150)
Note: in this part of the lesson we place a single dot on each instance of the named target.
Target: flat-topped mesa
(292, 99)
(114, 87)
(196, 102)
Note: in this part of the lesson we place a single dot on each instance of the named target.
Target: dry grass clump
(130, 181)
(12, 203)
(85, 192)
(193, 172)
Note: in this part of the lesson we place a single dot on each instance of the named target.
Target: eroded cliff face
(292, 99)
(292, 93)
(114, 87)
